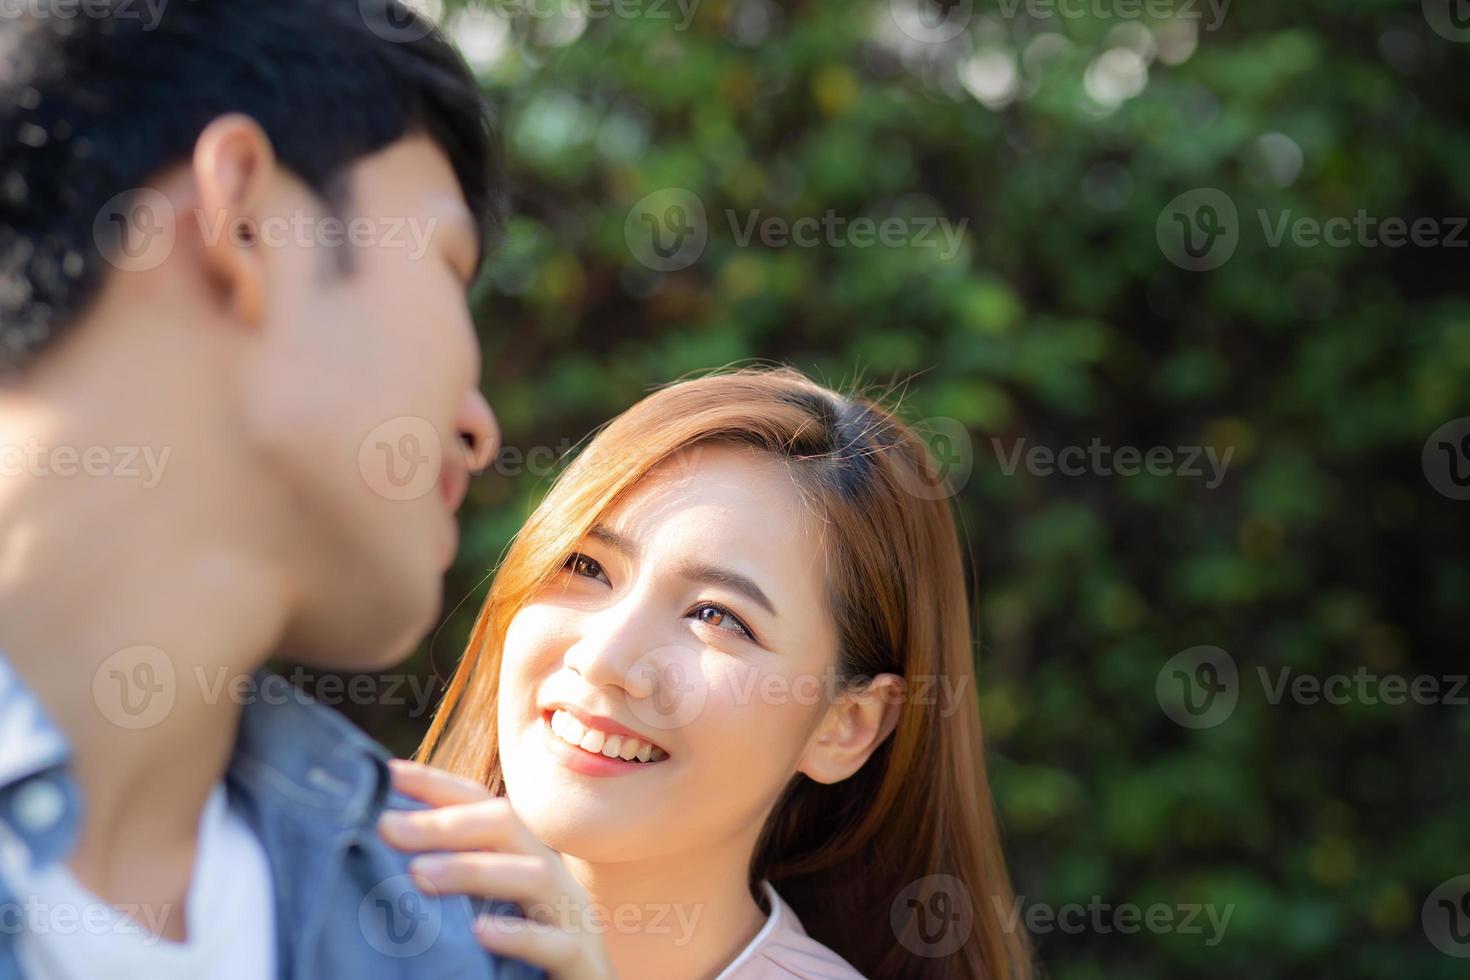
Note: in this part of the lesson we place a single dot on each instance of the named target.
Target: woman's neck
(683, 917)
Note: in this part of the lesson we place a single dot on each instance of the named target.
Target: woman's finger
(488, 825)
(527, 881)
(554, 950)
(434, 786)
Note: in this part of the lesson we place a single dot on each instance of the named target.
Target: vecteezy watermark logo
(677, 920)
(1134, 10)
(1198, 687)
(150, 12)
(931, 21)
(833, 230)
(402, 458)
(680, 12)
(1103, 917)
(398, 919)
(136, 230)
(1199, 229)
(744, 685)
(394, 21)
(143, 463)
(1450, 19)
(1446, 459)
(392, 690)
(1363, 687)
(135, 687)
(666, 688)
(667, 230)
(305, 229)
(1446, 917)
(934, 916)
(1362, 230)
(34, 915)
(1097, 459)
(950, 464)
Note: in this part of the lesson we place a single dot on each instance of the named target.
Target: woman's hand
(498, 858)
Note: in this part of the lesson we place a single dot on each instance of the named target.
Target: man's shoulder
(297, 755)
(313, 786)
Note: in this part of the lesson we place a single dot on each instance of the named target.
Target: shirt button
(38, 806)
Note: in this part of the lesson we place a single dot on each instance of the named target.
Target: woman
(725, 672)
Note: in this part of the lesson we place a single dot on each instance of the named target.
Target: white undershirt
(71, 934)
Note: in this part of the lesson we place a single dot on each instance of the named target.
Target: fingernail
(499, 925)
(428, 867)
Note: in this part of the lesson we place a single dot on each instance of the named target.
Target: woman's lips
(591, 763)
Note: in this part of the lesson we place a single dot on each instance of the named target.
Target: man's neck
(121, 606)
(130, 669)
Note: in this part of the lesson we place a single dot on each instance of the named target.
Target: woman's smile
(598, 748)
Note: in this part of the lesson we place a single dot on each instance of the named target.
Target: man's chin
(380, 634)
(382, 656)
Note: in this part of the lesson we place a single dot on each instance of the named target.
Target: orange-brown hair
(920, 809)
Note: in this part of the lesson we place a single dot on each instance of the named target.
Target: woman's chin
(588, 817)
(592, 835)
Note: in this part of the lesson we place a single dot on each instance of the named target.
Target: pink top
(782, 950)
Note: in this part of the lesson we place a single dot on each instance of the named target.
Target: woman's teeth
(624, 747)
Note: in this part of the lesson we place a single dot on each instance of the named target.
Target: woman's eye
(721, 618)
(580, 564)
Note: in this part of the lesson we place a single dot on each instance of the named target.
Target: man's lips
(454, 484)
(451, 544)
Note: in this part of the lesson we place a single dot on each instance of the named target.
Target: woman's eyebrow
(613, 540)
(693, 571)
(714, 575)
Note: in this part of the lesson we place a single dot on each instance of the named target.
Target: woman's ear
(855, 724)
(233, 164)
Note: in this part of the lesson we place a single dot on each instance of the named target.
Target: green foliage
(1059, 320)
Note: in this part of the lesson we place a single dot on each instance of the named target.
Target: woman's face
(694, 617)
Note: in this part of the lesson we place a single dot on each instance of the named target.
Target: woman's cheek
(535, 644)
(753, 726)
(528, 659)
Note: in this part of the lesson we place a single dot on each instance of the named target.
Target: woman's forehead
(738, 500)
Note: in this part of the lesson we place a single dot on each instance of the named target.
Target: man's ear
(855, 724)
(234, 164)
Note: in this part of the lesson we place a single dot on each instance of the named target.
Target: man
(239, 408)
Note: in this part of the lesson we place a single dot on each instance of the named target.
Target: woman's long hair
(874, 864)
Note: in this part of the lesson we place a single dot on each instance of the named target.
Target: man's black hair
(96, 98)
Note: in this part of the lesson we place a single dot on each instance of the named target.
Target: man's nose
(479, 432)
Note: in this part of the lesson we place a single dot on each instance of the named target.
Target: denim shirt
(311, 786)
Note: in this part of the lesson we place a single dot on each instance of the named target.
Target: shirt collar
(289, 749)
(305, 755)
(40, 807)
(30, 742)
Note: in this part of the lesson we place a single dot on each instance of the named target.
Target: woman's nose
(620, 647)
(612, 645)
